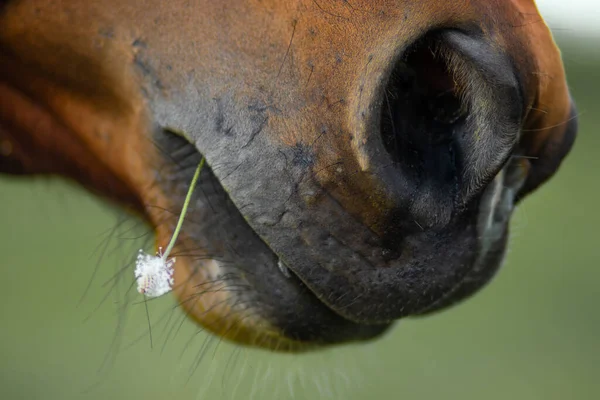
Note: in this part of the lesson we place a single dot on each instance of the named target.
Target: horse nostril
(451, 115)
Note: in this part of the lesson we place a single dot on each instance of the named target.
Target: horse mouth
(230, 281)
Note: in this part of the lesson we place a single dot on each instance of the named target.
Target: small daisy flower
(154, 274)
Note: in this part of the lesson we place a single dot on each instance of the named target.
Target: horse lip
(350, 295)
(249, 263)
(335, 286)
(359, 284)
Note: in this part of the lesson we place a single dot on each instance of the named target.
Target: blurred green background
(532, 334)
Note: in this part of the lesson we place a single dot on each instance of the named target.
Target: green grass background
(534, 333)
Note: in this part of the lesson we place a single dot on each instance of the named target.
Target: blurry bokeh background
(533, 333)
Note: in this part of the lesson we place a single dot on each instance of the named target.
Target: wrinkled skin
(365, 155)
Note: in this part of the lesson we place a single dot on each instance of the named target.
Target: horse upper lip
(344, 263)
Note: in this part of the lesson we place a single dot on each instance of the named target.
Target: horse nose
(376, 207)
(450, 117)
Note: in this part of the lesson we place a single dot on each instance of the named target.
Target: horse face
(365, 155)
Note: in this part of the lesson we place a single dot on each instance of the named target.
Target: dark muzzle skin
(365, 156)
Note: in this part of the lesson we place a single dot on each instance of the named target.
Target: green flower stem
(186, 203)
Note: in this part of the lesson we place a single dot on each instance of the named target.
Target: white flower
(154, 274)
